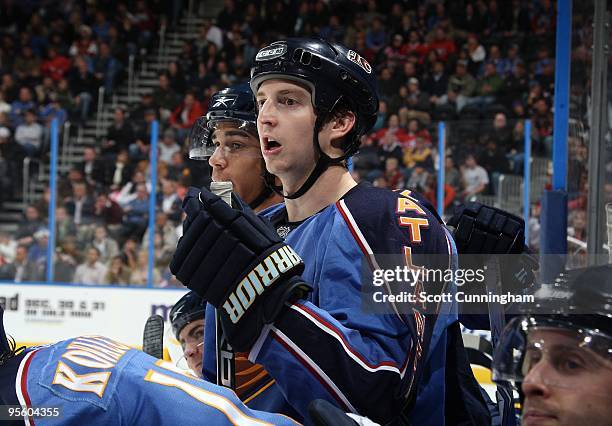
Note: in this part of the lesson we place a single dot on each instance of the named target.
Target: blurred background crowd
(483, 67)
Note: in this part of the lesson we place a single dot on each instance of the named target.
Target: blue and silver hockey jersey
(94, 380)
(327, 347)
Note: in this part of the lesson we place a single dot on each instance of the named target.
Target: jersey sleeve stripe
(329, 328)
(21, 385)
(363, 244)
(356, 232)
(314, 369)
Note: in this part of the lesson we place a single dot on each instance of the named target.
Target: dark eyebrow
(285, 92)
(294, 92)
(230, 133)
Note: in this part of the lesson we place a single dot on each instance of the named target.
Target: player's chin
(196, 368)
(275, 166)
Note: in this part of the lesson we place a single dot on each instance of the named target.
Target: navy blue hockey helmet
(234, 104)
(333, 73)
(189, 308)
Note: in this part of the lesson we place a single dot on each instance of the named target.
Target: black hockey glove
(238, 263)
(483, 230)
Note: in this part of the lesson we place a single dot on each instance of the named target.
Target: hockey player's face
(564, 383)
(191, 338)
(237, 158)
(285, 123)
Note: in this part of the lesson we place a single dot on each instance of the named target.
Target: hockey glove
(239, 264)
(483, 230)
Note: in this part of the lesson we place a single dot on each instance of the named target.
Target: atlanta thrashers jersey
(327, 347)
(94, 380)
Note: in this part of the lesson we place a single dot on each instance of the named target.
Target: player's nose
(267, 113)
(536, 382)
(218, 159)
(190, 350)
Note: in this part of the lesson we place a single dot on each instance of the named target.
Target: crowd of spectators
(53, 60)
(482, 66)
(54, 57)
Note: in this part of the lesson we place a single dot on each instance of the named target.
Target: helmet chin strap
(265, 193)
(324, 161)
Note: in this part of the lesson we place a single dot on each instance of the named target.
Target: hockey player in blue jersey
(304, 320)
(559, 351)
(228, 136)
(97, 381)
(187, 319)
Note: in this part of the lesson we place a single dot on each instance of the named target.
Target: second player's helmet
(234, 104)
(577, 324)
(187, 309)
(333, 73)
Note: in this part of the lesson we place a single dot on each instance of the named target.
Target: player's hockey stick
(497, 320)
(153, 337)
(226, 364)
(609, 225)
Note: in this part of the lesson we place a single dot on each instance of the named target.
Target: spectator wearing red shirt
(414, 130)
(430, 192)
(85, 45)
(415, 46)
(393, 128)
(55, 66)
(183, 117)
(393, 175)
(394, 53)
(442, 44)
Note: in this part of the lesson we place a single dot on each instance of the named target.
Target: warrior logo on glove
(262, 275)
(236, 261)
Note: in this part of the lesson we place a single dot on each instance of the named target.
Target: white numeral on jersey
(221, 403)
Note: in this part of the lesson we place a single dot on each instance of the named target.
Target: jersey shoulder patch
(391, 220)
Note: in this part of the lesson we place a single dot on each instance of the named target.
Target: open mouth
(271, 146)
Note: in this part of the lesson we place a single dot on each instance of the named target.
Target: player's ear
(340, 126)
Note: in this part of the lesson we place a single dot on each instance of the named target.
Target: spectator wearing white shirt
(29, 134)
(209, 33)
(91, 272)
(128, 191)
(4, 106)
(475, 177)
(8, 247)
(168, 146)
(169, 201)
(107, 247)
(165, 239)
